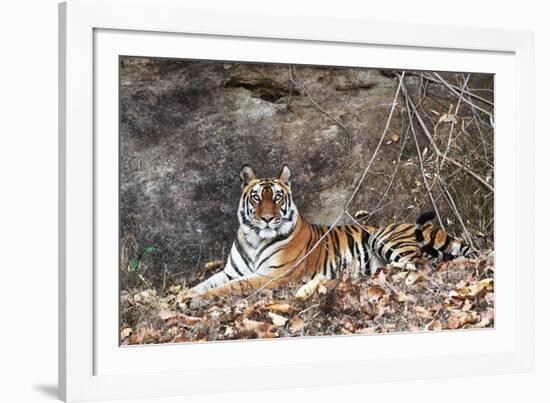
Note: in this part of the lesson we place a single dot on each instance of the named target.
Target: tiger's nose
(267, 218)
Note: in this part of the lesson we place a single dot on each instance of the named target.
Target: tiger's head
(266, 207)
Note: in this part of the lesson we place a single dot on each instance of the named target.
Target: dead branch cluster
(455, 162)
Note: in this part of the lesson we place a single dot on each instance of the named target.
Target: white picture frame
(93, 33)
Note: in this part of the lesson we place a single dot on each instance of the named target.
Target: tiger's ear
(284, 175)
(247, 174)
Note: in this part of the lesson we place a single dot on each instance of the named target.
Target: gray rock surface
(187, 127)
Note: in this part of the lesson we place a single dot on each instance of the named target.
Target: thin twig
(481, 133)
(390, 184)
(454, 209)
(455, 92)
(307, 309)
(452, 176)
(449, 140)
(338, 122)
(291, 87)
(437, 150)
(428, 188)
(147, 283)
(468, 92)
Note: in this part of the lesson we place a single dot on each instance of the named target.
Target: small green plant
(141, 252)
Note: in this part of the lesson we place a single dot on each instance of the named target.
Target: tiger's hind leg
(374, 263)
(410, 260)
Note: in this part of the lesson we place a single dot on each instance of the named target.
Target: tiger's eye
(277, 197)
(256, 198)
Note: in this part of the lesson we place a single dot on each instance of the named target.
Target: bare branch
(455, 92)
(467, 92)
(428, 188)
(449, 140)
(436, 149)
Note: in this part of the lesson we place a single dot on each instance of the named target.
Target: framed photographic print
(342, 202)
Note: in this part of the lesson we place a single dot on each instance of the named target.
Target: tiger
(275, 245)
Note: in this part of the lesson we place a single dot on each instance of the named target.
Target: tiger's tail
(424, 246)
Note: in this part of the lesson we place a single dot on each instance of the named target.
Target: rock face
(187, 127)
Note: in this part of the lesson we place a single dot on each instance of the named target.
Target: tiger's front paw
(193, 298)
(309, 288)
(189, 294)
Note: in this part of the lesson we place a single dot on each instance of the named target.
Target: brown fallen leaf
(146, 297)
(348, 325)
(361, 215)
(181, 339)
(216, 264)
(145, 335)
(421, 312)
(402, 297)
(383, 307)
(458, 319)
(182, 320)
(278, 320)
(447, 118)
(262, 329)
(366, 330)
(487, 319)
(414, 277)
(166, 314)
(125, 332)
(461, 284)
(399, 276)
(229, 332)
(280, 307)
(374, 293)
(296, 324)
(381, 276)
(444, 266)
(434, 325)
(467, 305)
(473, 290)
(388, 327)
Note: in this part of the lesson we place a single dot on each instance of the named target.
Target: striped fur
(437, 244)
(275, 245)
(416, 243)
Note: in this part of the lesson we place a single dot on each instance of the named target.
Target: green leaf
(148, 250)
(133, 264)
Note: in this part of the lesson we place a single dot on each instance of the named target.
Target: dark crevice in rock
(355, 87)
(264, 89)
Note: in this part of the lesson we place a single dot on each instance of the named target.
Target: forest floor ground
(458, 294)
